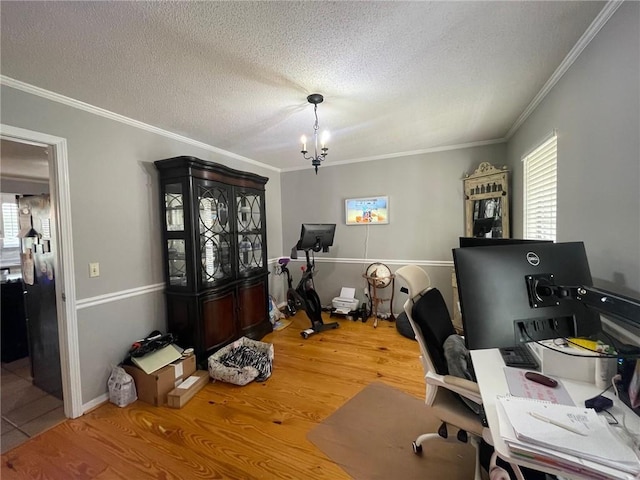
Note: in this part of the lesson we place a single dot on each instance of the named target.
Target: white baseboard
(95, 403)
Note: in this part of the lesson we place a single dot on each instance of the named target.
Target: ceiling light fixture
(315, 99)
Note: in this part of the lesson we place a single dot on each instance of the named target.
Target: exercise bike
(313, 237)
(294, 300)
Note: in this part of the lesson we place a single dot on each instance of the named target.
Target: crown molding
(601, 19)
(56, 97)
(403, 154)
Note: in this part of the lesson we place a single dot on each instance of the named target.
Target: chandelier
(316, 159)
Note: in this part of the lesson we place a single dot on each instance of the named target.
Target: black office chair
(429, 318)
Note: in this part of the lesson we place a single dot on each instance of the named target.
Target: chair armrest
(461, 386)
(462, 383)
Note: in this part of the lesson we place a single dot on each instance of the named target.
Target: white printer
(346, 302)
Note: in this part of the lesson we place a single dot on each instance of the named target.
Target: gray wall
(115, 221)
(426, 215)
(595, 109)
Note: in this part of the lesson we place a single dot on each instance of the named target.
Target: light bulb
(324, 138)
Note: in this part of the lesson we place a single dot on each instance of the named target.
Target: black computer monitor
(488, 241)
(316, 236)
(499, 289)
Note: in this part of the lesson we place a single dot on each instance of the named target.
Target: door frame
(62, 241)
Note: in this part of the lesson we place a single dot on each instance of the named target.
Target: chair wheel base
(417, 449)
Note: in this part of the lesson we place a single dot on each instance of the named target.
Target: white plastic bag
(122, 388)
(274, 312)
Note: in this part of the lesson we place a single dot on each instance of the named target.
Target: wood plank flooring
(228, 432)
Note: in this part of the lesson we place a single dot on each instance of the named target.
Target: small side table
(374, 294)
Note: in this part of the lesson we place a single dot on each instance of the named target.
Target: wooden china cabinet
(215, 253)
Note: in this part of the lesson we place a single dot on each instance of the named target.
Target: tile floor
(26, 410)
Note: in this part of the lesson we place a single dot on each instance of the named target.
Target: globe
(378, 274)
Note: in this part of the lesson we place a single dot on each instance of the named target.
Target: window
(540, 187)
(10, 225)
(46, 228)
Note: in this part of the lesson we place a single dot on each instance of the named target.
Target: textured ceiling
(23, 161)
(396, 76)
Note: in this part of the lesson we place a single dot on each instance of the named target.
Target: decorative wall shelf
(486, 193)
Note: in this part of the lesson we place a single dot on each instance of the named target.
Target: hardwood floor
(226, 431)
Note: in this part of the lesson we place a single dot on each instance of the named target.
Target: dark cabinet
(214, 237)
(14, 322)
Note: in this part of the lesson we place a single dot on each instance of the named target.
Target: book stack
(568, 438)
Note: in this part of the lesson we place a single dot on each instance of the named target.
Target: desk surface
(488, 366)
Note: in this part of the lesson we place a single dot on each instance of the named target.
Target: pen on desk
(557, 424)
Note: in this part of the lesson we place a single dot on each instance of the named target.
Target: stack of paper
(569, 438)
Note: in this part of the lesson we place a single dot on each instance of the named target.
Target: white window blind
(540, 191)
(10, 225)
(46, 228)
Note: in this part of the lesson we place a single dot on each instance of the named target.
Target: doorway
(31, 378)
(62, 245)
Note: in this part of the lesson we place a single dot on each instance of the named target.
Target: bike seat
(284, 261)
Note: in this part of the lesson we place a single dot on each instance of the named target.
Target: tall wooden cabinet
(487, 202)
(215, 253)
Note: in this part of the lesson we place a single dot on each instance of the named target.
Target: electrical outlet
(94, 270)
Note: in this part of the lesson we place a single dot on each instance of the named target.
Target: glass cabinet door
(174, 225)
(215, 233)
(174, 207)
(177, 263)
(250, 232)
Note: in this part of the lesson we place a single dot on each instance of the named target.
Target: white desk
(488, 366)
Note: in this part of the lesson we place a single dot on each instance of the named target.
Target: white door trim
(62, 240)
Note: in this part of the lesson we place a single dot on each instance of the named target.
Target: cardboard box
(179, 396)
(154, 387)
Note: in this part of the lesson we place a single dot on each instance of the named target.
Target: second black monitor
(495, 293)
(316, 236)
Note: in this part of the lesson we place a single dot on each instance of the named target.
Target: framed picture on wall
(367, 210)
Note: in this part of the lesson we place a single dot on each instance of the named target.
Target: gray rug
(370, 438)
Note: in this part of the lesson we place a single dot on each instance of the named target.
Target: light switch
(94, 269)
